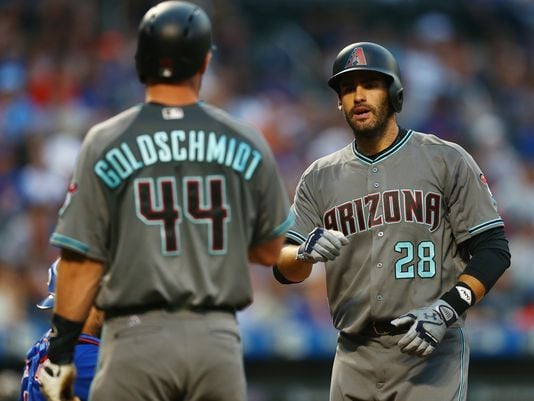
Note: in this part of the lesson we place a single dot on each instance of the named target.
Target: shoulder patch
(71, 191)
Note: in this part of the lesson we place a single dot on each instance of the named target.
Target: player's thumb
(340, 236)
(402, 320)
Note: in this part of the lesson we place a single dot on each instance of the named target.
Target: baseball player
(411, 237)
(169, 202)
(85, 351)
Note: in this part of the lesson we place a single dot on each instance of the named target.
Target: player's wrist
(460, 298)
(63, 339)
(303, 256)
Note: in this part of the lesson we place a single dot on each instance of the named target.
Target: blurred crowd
(466, 68)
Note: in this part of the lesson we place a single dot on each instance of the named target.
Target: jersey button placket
(380, 297)
(374, 178)
(375, 183)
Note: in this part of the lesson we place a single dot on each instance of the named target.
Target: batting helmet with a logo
(371, 57)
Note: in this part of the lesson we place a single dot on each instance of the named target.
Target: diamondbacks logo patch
(71, 191)
(485, 181)
(357, 57)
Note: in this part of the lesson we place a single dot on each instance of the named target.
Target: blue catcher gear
(48, 302)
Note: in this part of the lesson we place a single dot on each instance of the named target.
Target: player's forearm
(490, 257)
(94, 322)
(292, 269)
(77, 283)
(266, 253)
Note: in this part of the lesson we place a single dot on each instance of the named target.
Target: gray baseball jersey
(171, 198)
(405, 212)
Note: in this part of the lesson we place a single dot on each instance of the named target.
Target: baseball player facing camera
(411, 237)
(169, 202)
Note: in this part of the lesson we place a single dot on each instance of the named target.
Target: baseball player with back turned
(169, 202)
(411, 237)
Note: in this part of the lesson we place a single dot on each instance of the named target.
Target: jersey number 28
(426, 265)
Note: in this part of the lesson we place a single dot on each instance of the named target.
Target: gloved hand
(321, 245)
(57, 381)
(428, 327)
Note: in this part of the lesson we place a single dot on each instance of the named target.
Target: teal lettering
(230, 152)
(109, 177)
(147, 149)
(256, 158)
(119, 163)
(241, 157)
(136, 164)
(178, 153)
(161, 138)
(196, 146)
(216, 148)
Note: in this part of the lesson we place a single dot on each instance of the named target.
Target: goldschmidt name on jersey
(388, 207)
(120, 162)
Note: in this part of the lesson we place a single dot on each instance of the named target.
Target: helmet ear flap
(396, 98)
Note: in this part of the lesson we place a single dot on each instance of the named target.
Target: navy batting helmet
(370, 57)
(173, 40)
(48, 302)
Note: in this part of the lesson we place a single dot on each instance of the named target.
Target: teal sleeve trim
(485, 226)
(63, 241)
(286, 225)
(295, 236)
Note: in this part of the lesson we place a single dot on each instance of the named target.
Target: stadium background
(467, 71)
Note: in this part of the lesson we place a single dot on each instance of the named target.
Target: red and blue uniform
(85, 360)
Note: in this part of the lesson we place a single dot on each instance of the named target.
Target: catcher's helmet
(48, 302)
(371, 57)
(173, 40)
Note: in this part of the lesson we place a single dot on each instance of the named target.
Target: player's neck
(171, 95)
(370, 145)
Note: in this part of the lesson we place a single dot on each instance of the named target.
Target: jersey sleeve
(472, 207)
(273, 219)
(305, 211)
(84, 218)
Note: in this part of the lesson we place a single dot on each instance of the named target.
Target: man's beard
(372, 127)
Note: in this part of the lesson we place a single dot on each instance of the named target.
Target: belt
(377, 328)
(140, 309)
